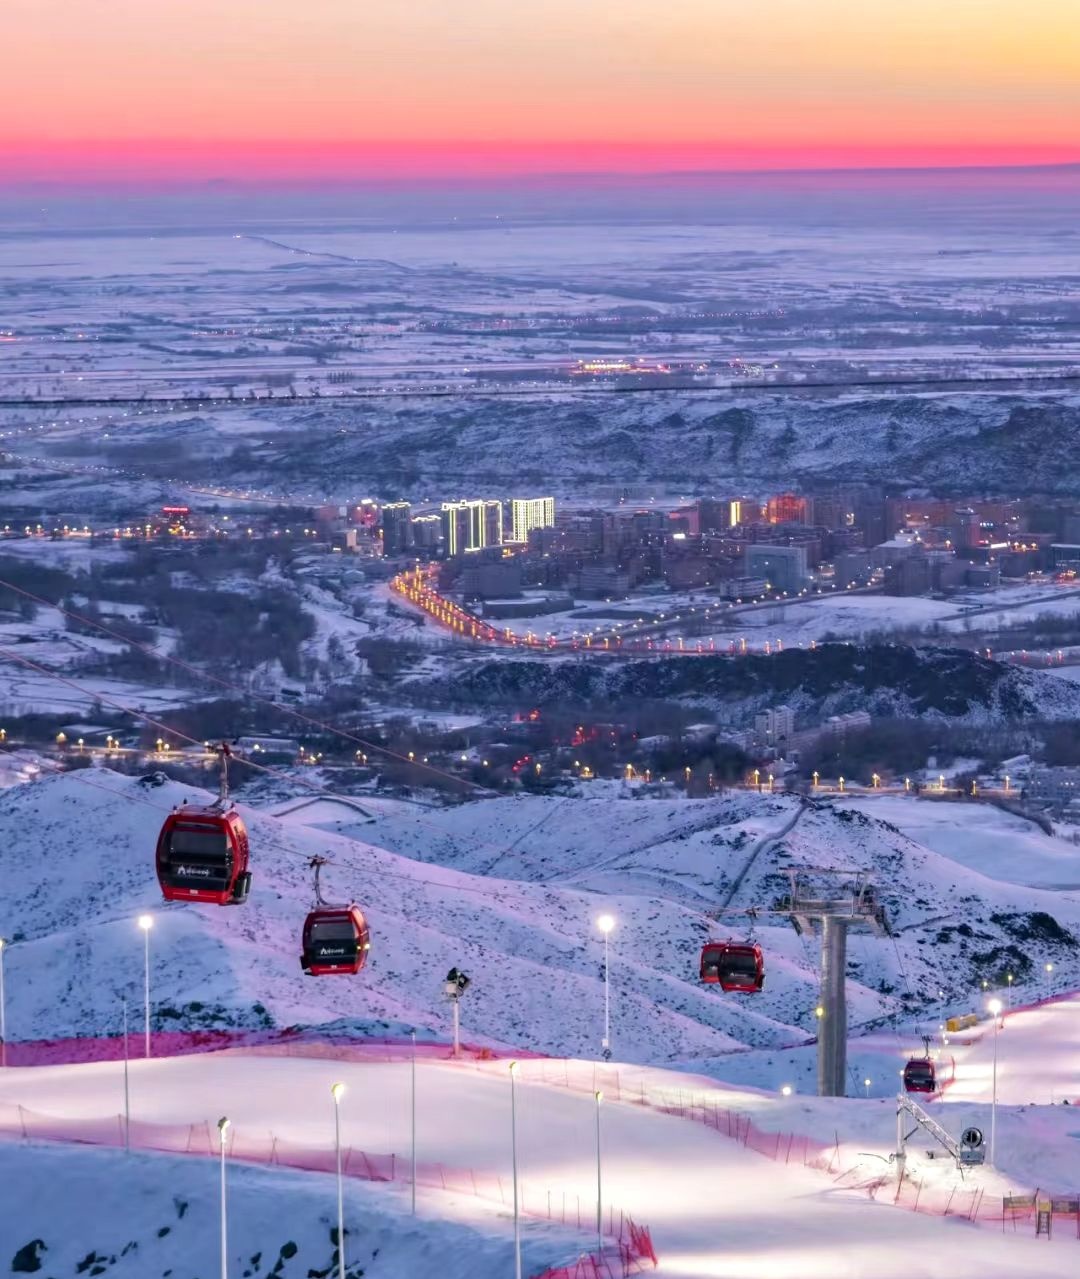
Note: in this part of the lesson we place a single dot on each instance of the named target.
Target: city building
(491, 579)
(1065, 556)
(471, 525)
(1054, 788)
(365, 514)
(908, 575)
(427, 533)
(852, 568)
(783, 567)
(598, 581)
(396, 521)
(742, 588)
(788, 508)
(526, 606)
(775, 727)
(528, 513)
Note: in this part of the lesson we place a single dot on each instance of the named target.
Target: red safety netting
(182, 1043)
(629, 1248)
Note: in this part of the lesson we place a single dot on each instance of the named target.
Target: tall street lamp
(599, 1184)
(994, 1007)
(3, 1009)
(513, 1156)
(223, 1128)
(336, 1092)
(146, 922)
(606, 923)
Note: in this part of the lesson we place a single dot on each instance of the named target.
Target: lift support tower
(835, 901)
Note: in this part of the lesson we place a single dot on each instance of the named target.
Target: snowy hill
(509, 890)
(883, 679)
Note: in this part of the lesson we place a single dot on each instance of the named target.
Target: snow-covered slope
(509, 890)
(716, 1210)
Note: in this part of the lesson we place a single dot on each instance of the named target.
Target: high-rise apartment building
(396, 521)
(471, 525)
(527, 513)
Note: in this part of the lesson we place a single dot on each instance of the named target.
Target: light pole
(146, 922)
(606, 923)
(599, 1184)
(866, 1085)
(513, 1156)
(127, 1089)
(336, 1092)
(994, 1007)
(223, 1128)
(413, 1119)
(3, 1009)
(1049, 968)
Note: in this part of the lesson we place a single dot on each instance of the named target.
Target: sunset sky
(366, 88)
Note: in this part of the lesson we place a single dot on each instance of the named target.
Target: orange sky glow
(355, 89)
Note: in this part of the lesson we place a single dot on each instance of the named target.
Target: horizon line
(526, 175)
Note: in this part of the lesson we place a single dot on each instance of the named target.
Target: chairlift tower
(834, 902)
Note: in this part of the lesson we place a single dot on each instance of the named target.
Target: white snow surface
(509, 890)
(716, 1210)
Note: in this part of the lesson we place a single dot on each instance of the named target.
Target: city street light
(513, 1155)
(866, 1085)
(223, 1128)
(336, 1091)
(1049, 968)
(146, 922)
(994, 1007)
(599, 1184)
(606, 923)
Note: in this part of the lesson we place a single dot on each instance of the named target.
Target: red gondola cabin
(202, 856)
(920, 1075)
(335, 940)
(737, 966)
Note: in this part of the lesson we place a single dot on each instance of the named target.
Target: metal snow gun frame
(968, 1152)
(837, 901)
(454, 987)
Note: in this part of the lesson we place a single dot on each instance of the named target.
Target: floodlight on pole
(223, 1128)
(513, 1156)
(412, 1117)
(337, 1091)
(606, 924)
(146, 922)
(599, 1096)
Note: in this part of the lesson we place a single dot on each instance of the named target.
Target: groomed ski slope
(716, 1209)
